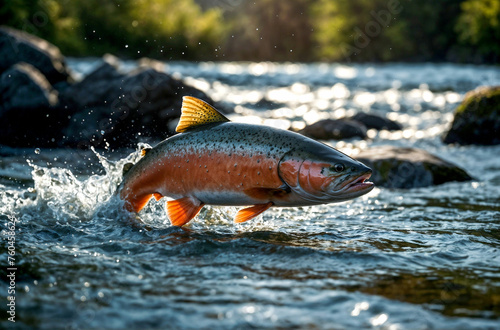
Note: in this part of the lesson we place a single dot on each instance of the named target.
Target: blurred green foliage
(479, 26)
(169, 29)
(277, 30)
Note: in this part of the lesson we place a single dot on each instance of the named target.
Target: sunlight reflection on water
(394, 259)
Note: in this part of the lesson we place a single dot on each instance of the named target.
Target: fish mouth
(358, 184)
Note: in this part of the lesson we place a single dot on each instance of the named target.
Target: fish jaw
(356, 186)
(313, 179)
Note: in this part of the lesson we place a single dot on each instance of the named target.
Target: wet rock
(265, 104)
(477, 118)
(29, 110)
(119, 109)
(18, 46)
(330, 129)
(376, 122)
(409, 167)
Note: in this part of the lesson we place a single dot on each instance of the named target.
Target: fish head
(325, 176)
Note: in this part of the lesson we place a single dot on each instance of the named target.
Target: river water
(426, 258)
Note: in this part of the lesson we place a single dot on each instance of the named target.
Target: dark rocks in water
(116, 108)
(42, 106)
(340, 129)
(349, 127)
(18, 46)
(409, 167)
(372, 121)
(477, 118)
(265, 104)
(29, 110)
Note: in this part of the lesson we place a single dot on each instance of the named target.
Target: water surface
(424, 258)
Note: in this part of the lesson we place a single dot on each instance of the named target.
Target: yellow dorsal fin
(196, 112)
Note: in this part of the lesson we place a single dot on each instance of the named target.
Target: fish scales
(215, 165)
(217, 162)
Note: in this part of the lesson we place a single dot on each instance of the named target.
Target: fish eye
(338, 167)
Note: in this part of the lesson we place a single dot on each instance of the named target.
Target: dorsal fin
(196, 112)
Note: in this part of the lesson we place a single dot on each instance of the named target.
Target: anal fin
(251, 212)
(181, 211)
(137, 203)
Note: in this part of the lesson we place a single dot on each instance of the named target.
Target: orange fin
(137, 203)
(196, 112)
(181, 211)
(251, 212)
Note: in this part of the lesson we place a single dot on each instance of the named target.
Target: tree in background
(385, 30)
(479, 26)
(359, 30)
(49, 19)
(169, 29)
(274, 30)
(271, 30)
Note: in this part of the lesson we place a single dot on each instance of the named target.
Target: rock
(409, 168)
(265, 104)
(18, 46)
(477, 118)
(122, 108)
(376, 122)
(29, 110)
(335, 129)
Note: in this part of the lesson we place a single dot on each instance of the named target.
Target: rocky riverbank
(42, 105)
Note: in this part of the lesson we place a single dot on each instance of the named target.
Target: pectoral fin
(251, 212)
(181, 211)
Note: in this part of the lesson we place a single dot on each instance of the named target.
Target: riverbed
(426, 258)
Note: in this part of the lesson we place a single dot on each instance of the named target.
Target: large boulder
(29, 110)
(330, 129)
(42, 106)
(477, 118)
(395, 167)
(18, 46)
(372, 121)
(119, 109)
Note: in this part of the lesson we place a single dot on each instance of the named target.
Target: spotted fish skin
(234, 164)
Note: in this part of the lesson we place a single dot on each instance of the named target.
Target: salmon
(214, 161)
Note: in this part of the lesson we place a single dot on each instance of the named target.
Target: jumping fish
(217, 162)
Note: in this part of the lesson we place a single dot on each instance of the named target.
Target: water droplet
(126, 46)
(102, 132)
(37, 151)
